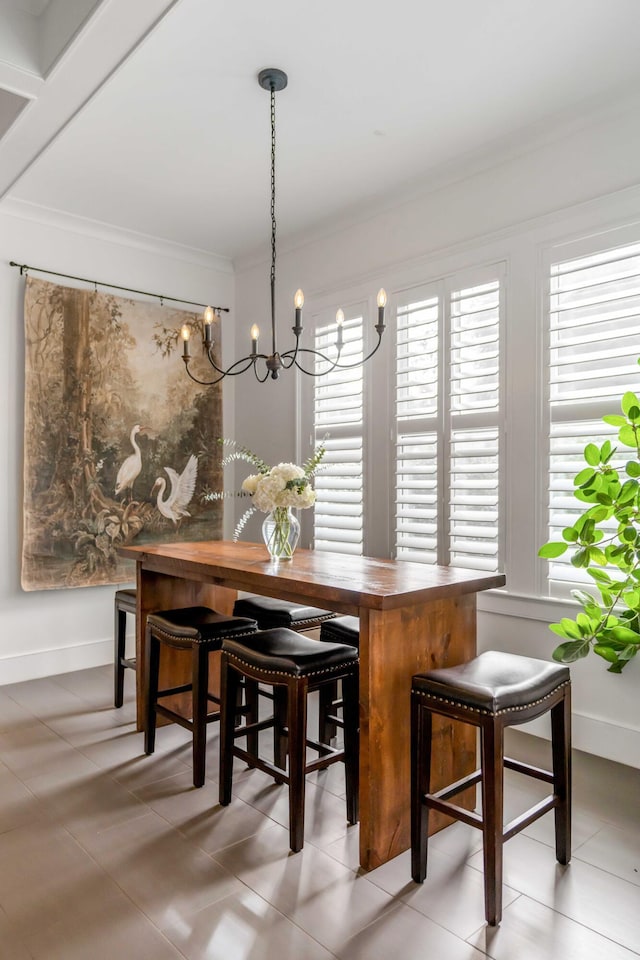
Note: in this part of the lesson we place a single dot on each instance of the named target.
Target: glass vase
(280, 532)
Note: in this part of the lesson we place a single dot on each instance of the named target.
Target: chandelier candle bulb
(382, 302)
(339, 323)
(255, 333)
(185, 333)
(208, 320)
(298, 302)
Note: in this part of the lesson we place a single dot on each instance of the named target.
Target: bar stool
(124, 603)
(271, 612)
(492, 692)
(293, 665)
(198, 630)
(339, 630)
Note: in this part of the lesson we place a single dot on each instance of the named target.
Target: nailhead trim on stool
(199, 630)
(294, 665)
(124, 603)
(491, 692)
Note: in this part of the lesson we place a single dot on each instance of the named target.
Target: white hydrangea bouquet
(274, 491)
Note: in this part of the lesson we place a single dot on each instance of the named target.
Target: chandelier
(275, 80)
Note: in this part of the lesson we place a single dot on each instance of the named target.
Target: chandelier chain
(275, 80)
(273, 214)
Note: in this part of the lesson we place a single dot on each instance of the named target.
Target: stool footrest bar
(469, 781)
(453, 810)
(528, 770)
(519, 823)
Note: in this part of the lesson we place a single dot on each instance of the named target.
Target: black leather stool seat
(293, 665)
(492, 692)
(201, 631)
(341, 630)
(190, 625)
(494, 682)
(271, 612)
(124, 603)
(127, 596)
(289, 652)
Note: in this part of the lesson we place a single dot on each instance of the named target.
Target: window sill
(545, 609)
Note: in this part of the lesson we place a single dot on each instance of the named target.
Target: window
(448, 423)
(594, 342)
(338, 417)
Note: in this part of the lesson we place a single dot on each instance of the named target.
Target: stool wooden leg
(199, 688)
(297, 724)
(327, 694)
(119, 634)
(251, 701)
(561, 746)
(421, 723)
(491, 739)
(351, 715)
(229, 682)
(280, 739)
(152, 660)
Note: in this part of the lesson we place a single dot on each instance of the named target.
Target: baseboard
(48, 663)
(594, 735)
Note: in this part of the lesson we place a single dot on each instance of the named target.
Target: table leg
(394, 645)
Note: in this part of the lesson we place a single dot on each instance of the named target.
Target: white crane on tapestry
(182, 487)
(128, 472)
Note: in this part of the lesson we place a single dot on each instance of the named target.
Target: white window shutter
(448, 424)
(594, 342)
(338, 421)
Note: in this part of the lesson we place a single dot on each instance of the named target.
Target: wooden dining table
(413, 617)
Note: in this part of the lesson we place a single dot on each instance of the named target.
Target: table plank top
(331, 580)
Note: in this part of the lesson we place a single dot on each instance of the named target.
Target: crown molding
(97, 229)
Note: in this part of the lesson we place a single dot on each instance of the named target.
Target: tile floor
(106, 853)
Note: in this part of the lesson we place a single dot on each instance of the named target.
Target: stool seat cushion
(286, 651)
(341, 630)
(200, 625)
(126, 595)
(494, 682)
(271, 612)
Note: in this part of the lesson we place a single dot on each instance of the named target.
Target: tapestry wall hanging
(120, 445)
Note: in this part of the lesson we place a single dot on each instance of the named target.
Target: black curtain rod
(24, 268)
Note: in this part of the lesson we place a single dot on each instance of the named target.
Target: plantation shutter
(418, 455)
(594, 342)
(474, 447)
(338, 417)
(448, 424)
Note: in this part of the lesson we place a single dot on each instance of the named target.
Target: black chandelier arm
(291, 355)
(229, 372)
(203, 383)
(333, 364)
(257, 376)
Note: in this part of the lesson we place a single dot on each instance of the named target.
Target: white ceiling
(152, 118)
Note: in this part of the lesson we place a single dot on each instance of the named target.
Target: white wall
(585, 183)
(49, 632)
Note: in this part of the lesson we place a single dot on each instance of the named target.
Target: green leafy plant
(605, 539)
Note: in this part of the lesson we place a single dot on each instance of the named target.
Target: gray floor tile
(531, 931)
(107, 853)
(243, 926)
